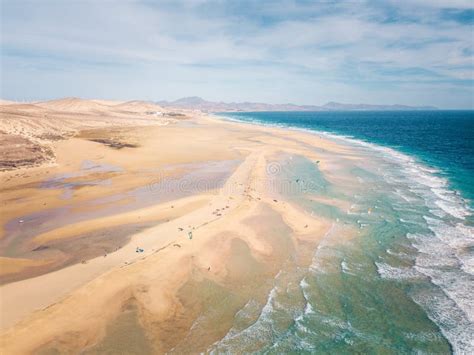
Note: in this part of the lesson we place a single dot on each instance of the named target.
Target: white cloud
(226, 52)
(440, 4)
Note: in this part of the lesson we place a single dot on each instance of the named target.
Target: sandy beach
(144, 234)
(228, 177)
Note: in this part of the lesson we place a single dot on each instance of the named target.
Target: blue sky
(417, 52)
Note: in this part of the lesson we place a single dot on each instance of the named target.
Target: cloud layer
(416, 52)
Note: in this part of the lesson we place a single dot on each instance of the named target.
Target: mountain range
(198, 103)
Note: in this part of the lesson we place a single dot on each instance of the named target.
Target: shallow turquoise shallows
(406, 283)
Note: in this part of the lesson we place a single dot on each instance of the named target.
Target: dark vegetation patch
(113, 144)
(17, 152)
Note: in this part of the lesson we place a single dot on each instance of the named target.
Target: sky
(413, 52)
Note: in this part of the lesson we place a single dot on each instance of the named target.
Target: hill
(198, 103)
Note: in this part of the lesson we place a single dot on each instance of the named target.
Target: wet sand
(195, 198)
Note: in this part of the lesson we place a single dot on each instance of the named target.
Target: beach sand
(141, 225)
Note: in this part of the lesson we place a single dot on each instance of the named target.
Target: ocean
(405, 283)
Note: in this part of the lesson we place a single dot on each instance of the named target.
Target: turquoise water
(403, 283)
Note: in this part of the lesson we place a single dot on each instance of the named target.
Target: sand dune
(108, 102)
(139, 106)
(7, 102)
(33, 127)
(73, 104)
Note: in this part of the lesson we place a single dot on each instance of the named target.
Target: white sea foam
(437, 212)
(317, 264)
(304, 284)
(406, 221)
(387, 271)
(445, 194)
(247, 310)
(400, 255)
(261, 328)
(345, 268)
(404, 195)
(454, 209)
(452, 321)
(308, 309)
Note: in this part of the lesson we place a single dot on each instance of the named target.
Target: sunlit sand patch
(162, 212)
(29, 232)
(10, 266)
(77, 243)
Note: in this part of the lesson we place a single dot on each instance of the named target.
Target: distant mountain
(336, 106)
(198, 103)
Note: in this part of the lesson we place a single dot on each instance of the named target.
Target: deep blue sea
(406, 283)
